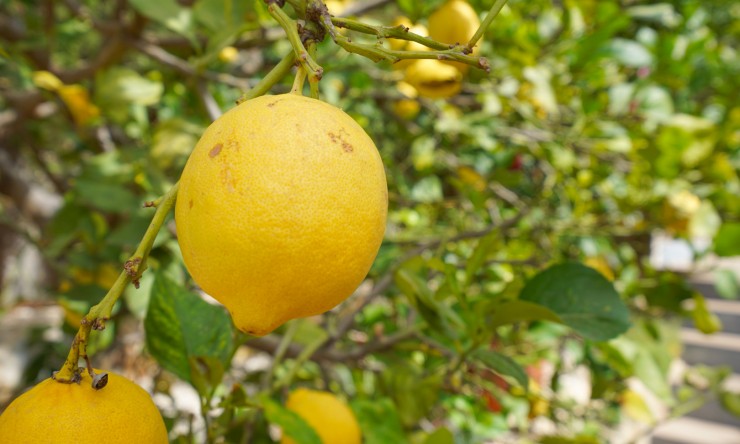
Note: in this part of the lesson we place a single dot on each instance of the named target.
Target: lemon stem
(280, 353)
(313, 70)
(397, 32)
(492, 13)
(377, 52)
(275, 75)
(313, 83)
(100, 313)
(305, 355)
(300, 78)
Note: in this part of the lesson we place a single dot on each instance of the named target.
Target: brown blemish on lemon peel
(346, 146)
(215, 150)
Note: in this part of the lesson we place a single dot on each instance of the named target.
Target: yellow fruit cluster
(455, 22)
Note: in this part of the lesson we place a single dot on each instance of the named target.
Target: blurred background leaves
(602, 126)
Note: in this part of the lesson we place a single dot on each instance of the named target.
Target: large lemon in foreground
(329, 416)
(281, 209)
(53, 413)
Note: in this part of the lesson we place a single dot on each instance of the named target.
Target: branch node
(99, 324)
(131, 267)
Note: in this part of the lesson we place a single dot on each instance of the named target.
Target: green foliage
(185, 333)
(379, 421)
(511, 208)
(292, 424)
(727, 242)
(502, 365)
(582, 298)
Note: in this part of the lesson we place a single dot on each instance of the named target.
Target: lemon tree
(361, 221)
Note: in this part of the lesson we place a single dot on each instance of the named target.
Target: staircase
(711, 424)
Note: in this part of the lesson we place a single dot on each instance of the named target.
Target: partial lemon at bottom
(53, 413)
(329, 416)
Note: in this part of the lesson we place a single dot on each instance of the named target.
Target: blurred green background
(607, 134)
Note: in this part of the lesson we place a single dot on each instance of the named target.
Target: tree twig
(96, 318)
(184, 67)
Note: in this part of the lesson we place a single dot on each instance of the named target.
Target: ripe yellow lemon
(335, 7)
(52, 412)
(228, 54)
(281, 209)
(329, 416)
(455, 22)
(408, 107)
(434, 79)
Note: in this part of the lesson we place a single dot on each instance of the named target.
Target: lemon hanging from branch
(455, 22)
(281, 209)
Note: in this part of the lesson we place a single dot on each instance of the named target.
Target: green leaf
(173, 141)
(291, 423)
(109, 197)
(219, 16)
(656, 104)
(379, 421)
(589, 46)
(649, 371)
(630, 53)
(727, 241)
(420, 297)
(511, 312)
(169, 13)
(440, 436)
(309, 332)
(427, 190)
(413, 392)
(731, 402)
(180, 326)
(726, 284)
(663, 14)
(206, 373)
(479, 256)
(582, 297)
(704, 320)
(615, 359)
(502, 365)
(117, 88)
(128, 235)
(636, 408)
(669, 293)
